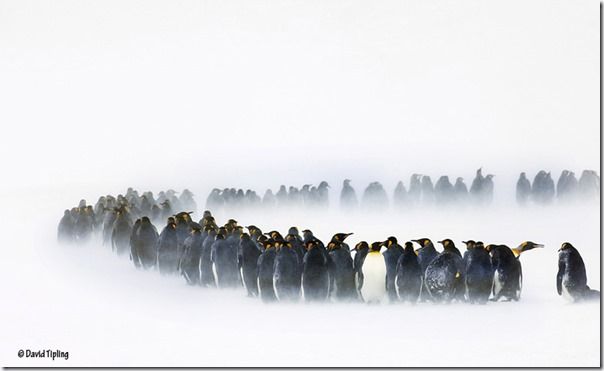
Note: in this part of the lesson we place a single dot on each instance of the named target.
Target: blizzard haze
(159, 92)
(101, 96)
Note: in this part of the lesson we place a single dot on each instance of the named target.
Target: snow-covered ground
(96, 306)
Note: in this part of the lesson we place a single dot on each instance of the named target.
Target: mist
(98, 97)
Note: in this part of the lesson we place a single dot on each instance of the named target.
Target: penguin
(476, 189)
(224, 258)
(361, 250)
(399, 197)
(249, 252)
(507, 270)
(323, 190)
(65, 229)
(461, 191)
(488, 189)
(444, 192)
(373, 287)
(143, 243)
(408, 275)
(415, 189)
(266, 263)
(391, 256)
(348, 196)
(315, 276)
(342, 268)
(523, 189)
(293, 236)
(206, 274)
(189, 263)
(479, 273)
(427, 195)
(444, 276)
(286, 272)
(571, 280)
(120, 236)
(84, 224)
(167, 245)
(589, 185)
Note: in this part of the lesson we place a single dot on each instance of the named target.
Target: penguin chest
(374, 278)
(497, 283)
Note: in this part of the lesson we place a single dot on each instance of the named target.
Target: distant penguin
(266, 263)
(476, 189)
(523, 189)
(65, 230)
(571, 280)
(427, 190)
(507, 270)
(348, 196)
(286, 272)
(461, 191)
(391, 256)
(399, 197)
(343, 270)
(415, 189)
(249, 252)
(373, 289)
(444, 276)
(479, 273)
(408, 275)
(444, 192)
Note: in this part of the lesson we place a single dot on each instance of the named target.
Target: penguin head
(409, 247)
(361, 245)
(307, 233)
(244, 237)
(195, 228)
(376, 246)
(275, 235)
(447, 244)
(566, 246)
(293, 231)
(340, 237)
(525, 246)
(268, 243)
(145, 220)
(390, 242)
(423, 242)
(470, 244)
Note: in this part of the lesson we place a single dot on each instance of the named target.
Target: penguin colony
(567, 189)
(298, 266)
(422, 191)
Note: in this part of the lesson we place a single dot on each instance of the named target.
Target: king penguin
(507, 270)
(408, 275)
(374, 275)
(571, 280)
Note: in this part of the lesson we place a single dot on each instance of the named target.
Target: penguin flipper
(561, 268)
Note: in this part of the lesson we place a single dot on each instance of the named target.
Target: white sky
(268, 92)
